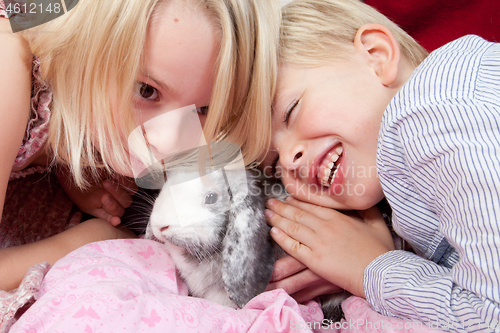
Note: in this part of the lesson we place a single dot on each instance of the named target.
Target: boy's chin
(351, 197)
(352, 202)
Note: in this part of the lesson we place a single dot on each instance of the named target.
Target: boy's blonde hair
(314, 32)
(94, 53)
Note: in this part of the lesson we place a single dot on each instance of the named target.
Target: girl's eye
(147, 92)
(202, 110)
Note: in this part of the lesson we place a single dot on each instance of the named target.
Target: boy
(356, 118)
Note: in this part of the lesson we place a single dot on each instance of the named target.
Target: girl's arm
(15, 90)
(15, 261)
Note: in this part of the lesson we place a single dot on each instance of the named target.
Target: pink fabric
(11, 303)
(2, 10)
(38, 124)
(361, 318)
(132, 286)
(36, 207)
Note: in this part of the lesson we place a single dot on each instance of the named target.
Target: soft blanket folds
(132, 286)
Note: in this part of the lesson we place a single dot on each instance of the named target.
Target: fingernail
(268, 213)
(275, 231)
(271, 202)
(289, 198)
(107, 183)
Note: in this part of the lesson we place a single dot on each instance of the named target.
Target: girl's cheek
(203, 119)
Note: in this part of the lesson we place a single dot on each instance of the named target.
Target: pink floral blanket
(132, 286)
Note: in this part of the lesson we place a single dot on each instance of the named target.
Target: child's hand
(336, 246)
(298, 281)
(106, 200)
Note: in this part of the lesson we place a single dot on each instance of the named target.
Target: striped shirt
(439, 164)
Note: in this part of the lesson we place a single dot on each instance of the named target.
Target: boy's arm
(446, 183)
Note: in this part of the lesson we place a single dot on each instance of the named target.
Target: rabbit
(216, 232)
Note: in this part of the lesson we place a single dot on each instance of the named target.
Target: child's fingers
(122, 196)
(115, 220)
(285, 267)
(102, 214)
(296, 230)
(291, 213)
(294, 283)
(317, 288)
(128, 184)
(293, 247)
(319, 211)
(111, 205)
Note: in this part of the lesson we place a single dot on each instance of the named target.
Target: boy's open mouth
(329, 166)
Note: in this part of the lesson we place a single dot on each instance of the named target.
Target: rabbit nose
(164, 228)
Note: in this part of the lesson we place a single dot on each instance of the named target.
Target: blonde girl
(112, 65)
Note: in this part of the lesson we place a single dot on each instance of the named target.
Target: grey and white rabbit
(216, 232)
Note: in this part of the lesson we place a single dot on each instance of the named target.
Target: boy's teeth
(327, 169)
(326, 173)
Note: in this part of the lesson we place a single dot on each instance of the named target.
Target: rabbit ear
(248, 255)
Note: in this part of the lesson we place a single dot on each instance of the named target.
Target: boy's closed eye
(271, 169)
(289, 110)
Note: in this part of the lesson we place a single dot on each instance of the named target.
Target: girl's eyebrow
(158, 82)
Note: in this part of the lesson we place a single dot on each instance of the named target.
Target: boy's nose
(293, 161)
(291, 157)
(297, 156)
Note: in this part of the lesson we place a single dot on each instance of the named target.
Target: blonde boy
(356, 117)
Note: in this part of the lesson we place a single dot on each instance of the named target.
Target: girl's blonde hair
(314, 32)
(91, 57)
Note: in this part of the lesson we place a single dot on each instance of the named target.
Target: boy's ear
(381, 49)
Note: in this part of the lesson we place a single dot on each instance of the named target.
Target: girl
(113, 65)
(22, 159)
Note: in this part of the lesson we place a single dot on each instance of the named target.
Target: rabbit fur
(218, 237)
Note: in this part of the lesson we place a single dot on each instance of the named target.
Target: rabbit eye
(211, 198)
